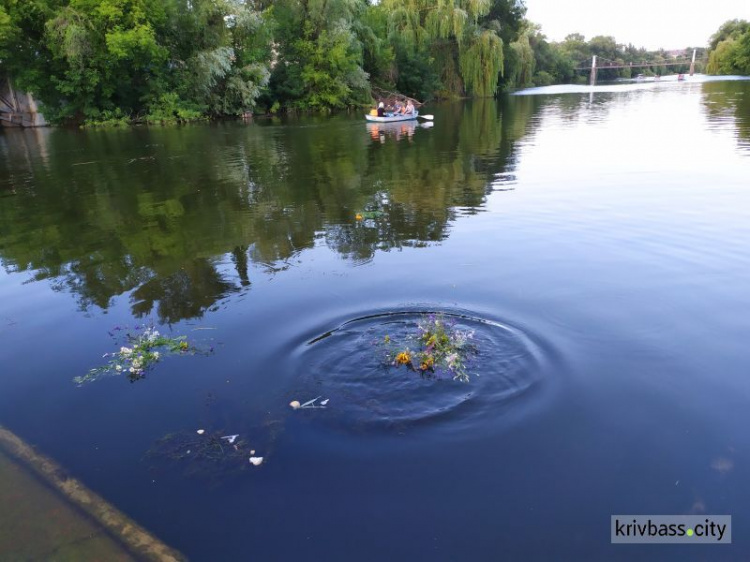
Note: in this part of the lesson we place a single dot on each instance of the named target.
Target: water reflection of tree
(729, 100)
(187, 293)
(154, 211)
(412, 191)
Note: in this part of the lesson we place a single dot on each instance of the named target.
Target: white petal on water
(252, 452)
(201, 431)
(294, 404)
(256, 461)
(324, 402)
(231, 438)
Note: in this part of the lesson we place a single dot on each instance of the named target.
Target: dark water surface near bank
(598, 245)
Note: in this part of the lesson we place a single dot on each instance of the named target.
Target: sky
(654, 24)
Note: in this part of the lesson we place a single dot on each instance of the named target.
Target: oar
(428, 117)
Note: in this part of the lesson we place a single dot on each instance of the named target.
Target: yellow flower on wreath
(427, 364)
(403, 358)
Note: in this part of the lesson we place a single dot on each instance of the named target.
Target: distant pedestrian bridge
(599, 63)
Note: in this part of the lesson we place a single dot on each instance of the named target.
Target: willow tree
(481, 63)
(218, 54)
(468, 57)
(523, 63)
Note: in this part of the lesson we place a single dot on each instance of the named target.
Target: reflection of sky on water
(632, 85)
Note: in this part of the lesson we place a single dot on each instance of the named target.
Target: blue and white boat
(391, 118)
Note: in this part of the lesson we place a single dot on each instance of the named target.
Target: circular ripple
(347, 365)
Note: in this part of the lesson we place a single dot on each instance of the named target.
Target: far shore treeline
(119, 61)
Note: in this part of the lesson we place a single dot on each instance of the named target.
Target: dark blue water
(598, 245)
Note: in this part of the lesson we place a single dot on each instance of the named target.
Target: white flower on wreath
(151, 335)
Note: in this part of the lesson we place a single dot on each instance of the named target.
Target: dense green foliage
(319, 54)
(464, 54)
(730, 49)
(95, 60)
(113, 61)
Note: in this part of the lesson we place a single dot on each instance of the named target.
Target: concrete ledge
(127, 533)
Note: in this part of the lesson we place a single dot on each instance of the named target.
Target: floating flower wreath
(438, 347)
(144, 347)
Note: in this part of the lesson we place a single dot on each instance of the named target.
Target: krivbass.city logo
(682, 529)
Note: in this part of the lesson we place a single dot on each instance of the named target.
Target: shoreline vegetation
(121, 62)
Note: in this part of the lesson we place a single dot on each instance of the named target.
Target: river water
(596, 241)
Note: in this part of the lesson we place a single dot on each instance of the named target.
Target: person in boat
(398, 107)
(381, 109)
(409, 109)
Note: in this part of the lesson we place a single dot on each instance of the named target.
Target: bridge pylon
(593, 71)
(692, 63)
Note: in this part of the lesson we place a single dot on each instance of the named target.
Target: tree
(468, 56)
(107, 55)
(165, 59)
(729, 49)
(730, 29)
(522, 72)
(219, 52)
(320, 55)
(506, 17)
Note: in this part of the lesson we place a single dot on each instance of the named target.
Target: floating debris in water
(140, 350)
(256, 461)
(231, 438)
(440, 348)
(206, 454)
(309, 403)
(295, 405)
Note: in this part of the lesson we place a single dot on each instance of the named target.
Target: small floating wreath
(438, 347)
(139, 351)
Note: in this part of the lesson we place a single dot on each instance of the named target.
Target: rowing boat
(393, 118)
